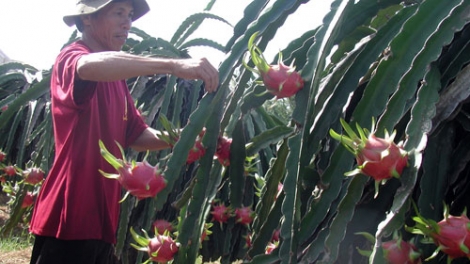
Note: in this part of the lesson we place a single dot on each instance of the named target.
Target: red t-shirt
(76, 201)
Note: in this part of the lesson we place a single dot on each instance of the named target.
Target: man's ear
(86, 19)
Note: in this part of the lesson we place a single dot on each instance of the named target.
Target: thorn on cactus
(279, 80)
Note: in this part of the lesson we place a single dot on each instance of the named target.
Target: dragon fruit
(244, 215)
(33, 176)
(280, 80)
(196, 152)
(379, 158)
(223, 150)
(2, 156)
(398, 251)
(10, 170)
(395, 251)
(451, 235)
(28, 200)
(139, 178)
(161, 248)
(220, 213)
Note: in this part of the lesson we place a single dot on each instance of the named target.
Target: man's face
(109, 27)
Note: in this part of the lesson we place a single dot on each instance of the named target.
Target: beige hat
(85, 7)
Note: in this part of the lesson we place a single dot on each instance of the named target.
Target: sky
(33, 31)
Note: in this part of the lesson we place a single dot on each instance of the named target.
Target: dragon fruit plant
(280, 80)
(138, 178)
(161, 248)
(451, 235)
(379, 158)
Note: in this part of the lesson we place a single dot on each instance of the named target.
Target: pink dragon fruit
(280, 80)
(139, 178)
(223, 150)
(451, 235)
(2, 156)
(10, 170)
(244, 215)
(196, 152)
(161, 248)
(379, 158)
(397, 251)
(28, 200)
(220, 213)
(33, 176)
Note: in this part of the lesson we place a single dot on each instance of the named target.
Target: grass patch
(9, 244)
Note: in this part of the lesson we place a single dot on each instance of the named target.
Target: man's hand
(200, 69)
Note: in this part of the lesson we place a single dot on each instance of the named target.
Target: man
(76, 214)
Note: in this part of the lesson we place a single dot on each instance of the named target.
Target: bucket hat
(86, 7)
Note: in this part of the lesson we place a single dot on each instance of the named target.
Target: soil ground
(20, 256)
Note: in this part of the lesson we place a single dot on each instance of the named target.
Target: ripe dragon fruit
(28, 200)
(2, 156)
(220, 213)
(161, 248)
(223, 150)
(10, 170)
(400, 252)
(196, 152)
(379, 158)
(451, 235)
(280, 80)
(33, 176)
(244, 215)
(395, 251)
(139, 178)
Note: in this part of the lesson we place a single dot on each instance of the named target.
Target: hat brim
(140, 8)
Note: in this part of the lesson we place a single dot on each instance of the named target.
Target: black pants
(50, 250)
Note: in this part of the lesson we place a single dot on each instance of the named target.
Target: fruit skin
(196, 152)
(280, 80)
(28, 200)
(162, 248)
(138, 178)
(223, 150)
(401, 252)
(220, 213)
(141, 179)
(2, 156)
(33, 176)
(453, 236)
(244, 215)
(10, 170)
(379, 158)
